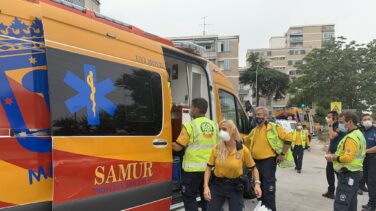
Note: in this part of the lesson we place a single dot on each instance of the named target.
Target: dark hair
(334, 114)
(351, 116)
(201, 104)
(365, 114)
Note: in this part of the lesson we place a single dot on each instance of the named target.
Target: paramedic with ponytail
(228, 158)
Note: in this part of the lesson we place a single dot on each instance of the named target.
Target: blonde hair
(222, 152)
(263, 109)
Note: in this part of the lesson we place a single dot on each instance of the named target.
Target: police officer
(197, 137)
(228, 158)
(348, 163)
(269, 144)
(335, 136)
(369, 165)
(300, 142)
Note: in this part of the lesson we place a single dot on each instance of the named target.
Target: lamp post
(257, 102)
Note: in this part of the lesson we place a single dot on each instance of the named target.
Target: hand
(329, 157)
(258, 191)
(280, 158)
(207, 193)
(329, 121)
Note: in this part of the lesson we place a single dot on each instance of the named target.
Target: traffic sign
(336, 106)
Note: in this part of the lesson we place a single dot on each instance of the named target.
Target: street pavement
(302, 192)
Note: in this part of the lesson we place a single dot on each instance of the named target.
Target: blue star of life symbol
(91, 94)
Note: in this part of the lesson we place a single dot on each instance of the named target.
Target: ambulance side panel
(25, 147)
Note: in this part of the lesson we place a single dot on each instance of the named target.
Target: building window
(280, 68)
(327, 36)
(269, 53)
(224, 46)
(302, 52)
(227, 65)
(278, 58)
(291, 52)
(290, 62)
(80, 3)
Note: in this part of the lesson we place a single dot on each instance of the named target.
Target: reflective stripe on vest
(203, 135)
(357, 163)
(276, 144)
(302, 138)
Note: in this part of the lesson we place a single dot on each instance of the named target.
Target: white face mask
(299, 127)
(225, 136)
(367, 124)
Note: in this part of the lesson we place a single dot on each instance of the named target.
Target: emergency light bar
(189, 47)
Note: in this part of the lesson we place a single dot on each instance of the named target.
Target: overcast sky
(254, 21)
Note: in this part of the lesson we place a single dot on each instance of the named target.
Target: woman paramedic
(228, 158)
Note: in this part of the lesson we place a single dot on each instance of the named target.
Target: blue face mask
(342, 128)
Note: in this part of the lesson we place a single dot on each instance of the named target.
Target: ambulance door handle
(159, 143)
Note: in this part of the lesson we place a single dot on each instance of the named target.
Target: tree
(339, 71)
(270, 83)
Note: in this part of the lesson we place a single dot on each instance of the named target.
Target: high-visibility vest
(203, 135)
(357, 163)
(276, 144)
(303, 138)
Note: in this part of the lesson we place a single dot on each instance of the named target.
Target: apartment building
(284, 52)
(221, 50)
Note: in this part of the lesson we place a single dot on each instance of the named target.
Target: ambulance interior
(187, 81)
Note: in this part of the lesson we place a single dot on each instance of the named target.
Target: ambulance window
(91, 97)
(231, 109)
(228, 106)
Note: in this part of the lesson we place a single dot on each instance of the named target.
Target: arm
(177, 147)
(351, 149)
(182, 140)
(250, 163)
(207, 174)
(256, 175)
(287, 138)
(207, 193)
(332, 134)
(371, 150)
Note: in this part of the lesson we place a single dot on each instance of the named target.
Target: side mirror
(248, 106)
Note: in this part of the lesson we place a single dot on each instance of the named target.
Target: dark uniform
(369, 167)
(330, 173)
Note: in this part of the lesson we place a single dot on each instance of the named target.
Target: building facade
(222, 51)
(286, 51)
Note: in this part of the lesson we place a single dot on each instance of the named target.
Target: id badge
(238, 155)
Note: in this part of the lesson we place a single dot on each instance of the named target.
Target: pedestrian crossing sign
(336, 106)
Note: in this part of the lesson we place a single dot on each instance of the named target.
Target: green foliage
(320, 115)
(271, 83)
(340, 71)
